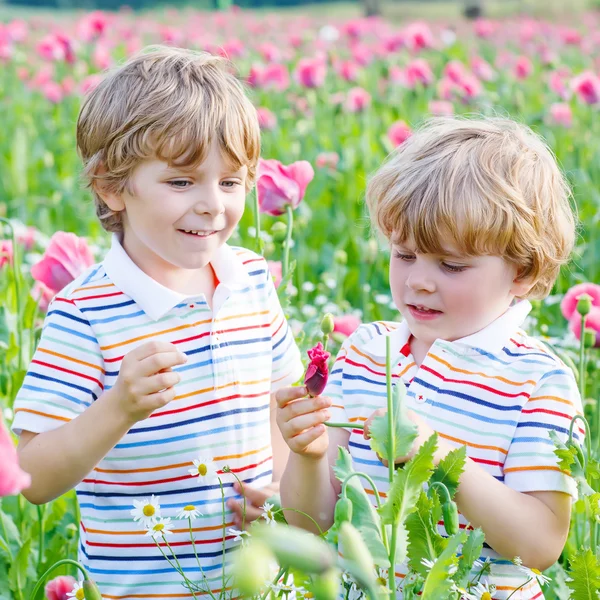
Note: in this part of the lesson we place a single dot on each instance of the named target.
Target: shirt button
(421, 399)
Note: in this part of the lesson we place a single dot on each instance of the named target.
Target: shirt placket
(223, 372)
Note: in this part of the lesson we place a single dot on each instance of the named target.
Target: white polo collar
(490, 339)
(155, 299)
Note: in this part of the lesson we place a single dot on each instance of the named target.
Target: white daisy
(428, 564)
(541, 578)
(240, 536)
(268, 514)
(146, 511)
(517, 561)
(285, 588)
(160, 528)
(189, 512)
(204, 469)
(77, 592)
(484, 591)
(464, 595)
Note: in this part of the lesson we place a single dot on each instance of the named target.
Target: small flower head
(484, 591)
(77, 592)
(517, 561)
(268, 514)
(428, 564)
(239, 536)
(159, 529)
(204, 469)
(189, 512)
(146, 511)
(537, 574)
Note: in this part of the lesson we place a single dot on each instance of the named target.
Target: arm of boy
(59, 459)
(308, 483)
(531, 525)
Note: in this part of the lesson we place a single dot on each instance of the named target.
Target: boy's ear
(521, 286)
(113, 200)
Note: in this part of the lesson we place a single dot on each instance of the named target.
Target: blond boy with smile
(478, 219)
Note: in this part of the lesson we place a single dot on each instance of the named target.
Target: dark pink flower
(592, 321)
(568, 306)
(311, 72)
(419, 71)
(357, 100)
(59, 587)
(266, 119)
(53, 92)
(348, 70)
(317, 372)
(399, 132)
(281, 185)
(12, 478)
(587, 86)
(482, 69)
(66, 257)
(418, 36)
(523, 68)
(275, 270)
(346, 325)
(6, 252)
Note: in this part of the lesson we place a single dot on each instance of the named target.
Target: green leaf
(364, 515)
(21, 571)
(471, 551)
(405, 431)
(584, 571)
(439, 583)
(8, 525)
(405, 491)
(423, 537)
(450, 469)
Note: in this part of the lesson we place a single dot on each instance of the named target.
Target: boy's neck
(418, 349)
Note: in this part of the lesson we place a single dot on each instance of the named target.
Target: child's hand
(146, 380)
(425, 432)
(300, 420)
(255, 500)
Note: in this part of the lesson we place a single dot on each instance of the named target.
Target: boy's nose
(209, 202)
(420, 281)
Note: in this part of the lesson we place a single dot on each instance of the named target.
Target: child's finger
(301, 423)
(237, 507)
(300, 442)
(256, 496)
(304, 407)
(287, 394)
(161, 361)
(160, 381)
(150, 348)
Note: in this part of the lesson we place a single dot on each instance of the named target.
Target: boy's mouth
(423, 312)
(198, 233)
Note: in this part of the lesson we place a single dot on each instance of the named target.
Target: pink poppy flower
(59, 587)
(311, 72)
(398, 133)
(66, 257)
(12, 478)
(568, 306)
(587, 86)
(419, 71)
(281, 185)
(560, 114)
(346, 325)
(266, 119)
(6, 252)
(275, 270)
(317, 372)
(357, 100)
(441, 108)
(327, 160)
(42, 294)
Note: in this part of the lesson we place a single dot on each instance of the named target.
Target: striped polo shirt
(499, 392)
(238, 352)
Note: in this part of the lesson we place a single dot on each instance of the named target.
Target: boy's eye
(454, 268)
(180, 183)
(402, 256)
(229, 183)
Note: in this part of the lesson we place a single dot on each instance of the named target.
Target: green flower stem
(16, 277)
(64, 561)
(588, 442)
(325, 341)
(227, 469)
(175, 566)
(259, 242)
(391, 456)
(41, 509)
(224, 532)
(582, 360)
(373, 486)
(522, 585)
(350, 425)
(280, 573)
(197, 559)
(444, 489)
(301, 512)
(288, 240)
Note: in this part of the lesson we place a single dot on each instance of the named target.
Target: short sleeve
(287, 365)
(66, 373)
(531, 465)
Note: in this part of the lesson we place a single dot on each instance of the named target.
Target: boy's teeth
(201, 233)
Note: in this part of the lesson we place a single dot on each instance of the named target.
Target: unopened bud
(278, 231)
(340, 256)
(355, 549)
(90, 590)
(584, 304)
(327, 324)
(327, 585)
(251, 568)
